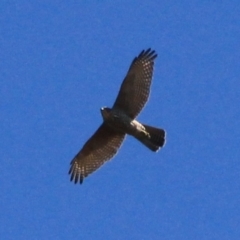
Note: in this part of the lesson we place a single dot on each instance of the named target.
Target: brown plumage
(120, 120)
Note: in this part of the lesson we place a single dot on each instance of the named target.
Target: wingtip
(71, 178)
(149, 50)
(75, 178)
(81, 179)
(149, 53)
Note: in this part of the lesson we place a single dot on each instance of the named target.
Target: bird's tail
(154, 139)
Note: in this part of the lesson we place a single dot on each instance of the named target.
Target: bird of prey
(121, 120)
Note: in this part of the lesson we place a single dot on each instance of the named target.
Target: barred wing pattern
(102, 146)
(135, 88)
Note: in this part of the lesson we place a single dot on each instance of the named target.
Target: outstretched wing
(102, 146)
(135, 88)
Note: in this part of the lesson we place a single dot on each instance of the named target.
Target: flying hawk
(121, 120)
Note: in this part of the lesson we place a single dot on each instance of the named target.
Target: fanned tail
(155, 140)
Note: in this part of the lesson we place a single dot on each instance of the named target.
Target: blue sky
(61, 61)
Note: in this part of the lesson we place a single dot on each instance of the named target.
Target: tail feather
(155, 139)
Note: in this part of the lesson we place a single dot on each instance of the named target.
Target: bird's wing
(102, 146)
(135, 88)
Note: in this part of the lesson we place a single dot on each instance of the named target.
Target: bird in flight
(120, 120)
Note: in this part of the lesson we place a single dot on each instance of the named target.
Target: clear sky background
(60, 61)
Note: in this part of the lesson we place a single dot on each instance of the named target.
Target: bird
(120, 120)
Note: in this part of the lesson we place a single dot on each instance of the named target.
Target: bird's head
(105, 111)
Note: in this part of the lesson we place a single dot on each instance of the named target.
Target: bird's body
(120, 120)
